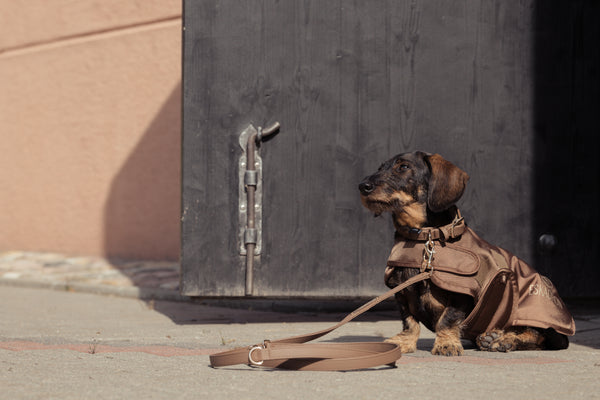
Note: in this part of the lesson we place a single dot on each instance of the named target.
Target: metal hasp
(250, 197)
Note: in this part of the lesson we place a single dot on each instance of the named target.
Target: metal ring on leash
(252, 362)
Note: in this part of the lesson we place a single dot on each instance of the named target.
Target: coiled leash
(294, 353)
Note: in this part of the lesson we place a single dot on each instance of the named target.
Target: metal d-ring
(252, 362)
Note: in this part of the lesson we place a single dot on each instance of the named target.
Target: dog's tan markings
(407, 339)
(447, 337)
(364, 201)
(378, 195)
(413, 216)
(447, 342)
(378, 200)
(515, 338)
(402, 198)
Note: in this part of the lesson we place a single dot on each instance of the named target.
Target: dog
(420, 191)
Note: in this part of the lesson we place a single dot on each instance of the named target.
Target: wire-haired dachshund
(420, 190)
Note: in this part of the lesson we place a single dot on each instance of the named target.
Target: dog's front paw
(447, 347)
(407, 344)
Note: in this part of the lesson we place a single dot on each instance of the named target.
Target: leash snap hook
(428, 253)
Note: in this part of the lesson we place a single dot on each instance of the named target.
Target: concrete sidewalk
(76, 344)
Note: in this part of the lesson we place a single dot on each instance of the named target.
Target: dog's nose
(366, 187)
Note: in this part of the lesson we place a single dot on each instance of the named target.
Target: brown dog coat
(506, 291)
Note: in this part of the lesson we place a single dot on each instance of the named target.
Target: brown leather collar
(452, 230)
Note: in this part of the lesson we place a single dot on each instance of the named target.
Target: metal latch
(250, 196)
(247, 178)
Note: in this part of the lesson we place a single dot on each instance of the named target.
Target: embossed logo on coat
(545, 289)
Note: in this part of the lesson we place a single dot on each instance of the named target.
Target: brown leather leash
(294, 353)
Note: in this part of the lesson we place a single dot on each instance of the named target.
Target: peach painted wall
(90, 127)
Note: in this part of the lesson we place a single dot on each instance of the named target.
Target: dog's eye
(401, 165)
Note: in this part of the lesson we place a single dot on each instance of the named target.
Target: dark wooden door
(352, 84)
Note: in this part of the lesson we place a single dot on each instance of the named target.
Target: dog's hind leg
(521, 338)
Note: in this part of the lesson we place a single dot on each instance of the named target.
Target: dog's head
(411, 184)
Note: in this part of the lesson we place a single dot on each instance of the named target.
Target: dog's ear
(446, 185)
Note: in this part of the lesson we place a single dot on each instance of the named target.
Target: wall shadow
(221, 312)
(566, 37)
(142, 211)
